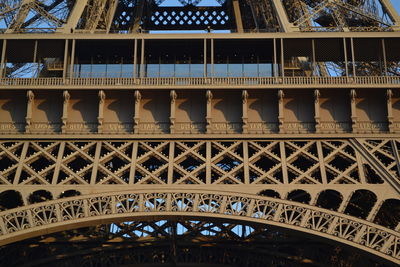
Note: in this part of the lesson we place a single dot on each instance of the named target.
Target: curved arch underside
(71, 213)
(180, 242)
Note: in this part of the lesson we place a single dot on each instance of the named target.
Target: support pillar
(209, 97)
(28, 119)
(281, 117)
(353, 59)
(135, 61)
(172, 117)
(100, 118)
(65, 64)
(71, 68)
(385, 70)
(136, 118)
(205, 58)
(354, 117)
(275, 68)
(212, 58)
(282, 60)
(142, 62)
(317, 116)
(3, 58)
(64, 118)
(245, 116)
(346, 60)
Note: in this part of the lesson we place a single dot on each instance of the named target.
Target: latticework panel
(192, 162)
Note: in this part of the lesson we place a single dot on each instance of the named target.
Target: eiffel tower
(199, 133)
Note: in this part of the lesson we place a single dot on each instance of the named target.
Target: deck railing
(205, 81)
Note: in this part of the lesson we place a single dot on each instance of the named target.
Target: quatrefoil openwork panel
(189, 18)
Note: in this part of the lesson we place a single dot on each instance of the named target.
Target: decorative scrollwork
(155, 202)
(44, 215)
(237, 206)
(100, 206)
(264, 209)
(127, 203)
(182, 202)
(72, 210)
(347, 229)
(258, 209)
(210, 203)
(16, 221)
(319, 221)
(292, 214)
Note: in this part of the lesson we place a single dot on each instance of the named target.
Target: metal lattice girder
(43, 13)
(67, 213)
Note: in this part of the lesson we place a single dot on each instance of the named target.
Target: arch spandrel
(71, 213)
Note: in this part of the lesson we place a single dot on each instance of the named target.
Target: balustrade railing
(204, 81)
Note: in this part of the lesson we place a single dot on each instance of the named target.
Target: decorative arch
(70, 213)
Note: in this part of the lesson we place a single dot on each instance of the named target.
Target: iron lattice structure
(255, 133)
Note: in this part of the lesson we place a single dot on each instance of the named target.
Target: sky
(396, 4)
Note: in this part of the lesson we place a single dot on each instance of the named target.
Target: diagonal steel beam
(388, 6)
(74, 17)
(283, 19)
(376, 164)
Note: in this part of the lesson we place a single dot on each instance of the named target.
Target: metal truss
(258, 162)
(105, 15)
(176, 242)
(67, 213)
(362, 176)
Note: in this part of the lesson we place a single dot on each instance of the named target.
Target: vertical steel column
(71, 67)
(314, 63)
(135, 54)
(212, 58)
(205, 58)
(282, 60)
(346, 60)
(142, 62)
(35, 58)
(384, 57)
(275, 65)
(65, 65)
(353, 56)
(3, 57)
